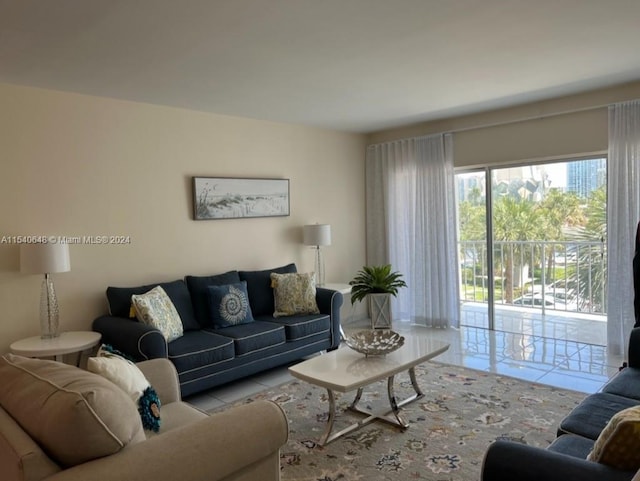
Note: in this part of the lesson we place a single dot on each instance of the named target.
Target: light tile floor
(563, 363)
(556, 324)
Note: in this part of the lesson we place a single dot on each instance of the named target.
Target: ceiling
(353, 65)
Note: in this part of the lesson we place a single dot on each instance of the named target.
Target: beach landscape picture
(234, 198)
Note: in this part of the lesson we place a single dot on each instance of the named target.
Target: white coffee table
(345, 370)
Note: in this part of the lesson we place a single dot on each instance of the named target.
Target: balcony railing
(543, 275)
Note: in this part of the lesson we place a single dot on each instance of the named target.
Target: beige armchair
(60, 423)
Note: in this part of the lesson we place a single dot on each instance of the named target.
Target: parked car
(534, 301)
(550, 301)
(561, 301)
(563, 289)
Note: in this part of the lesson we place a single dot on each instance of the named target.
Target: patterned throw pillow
(128, 377)
(229, 305)
(619, 442)
(294, 294)
(156, 309)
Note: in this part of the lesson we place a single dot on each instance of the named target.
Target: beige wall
(76, 165)
(563, 127)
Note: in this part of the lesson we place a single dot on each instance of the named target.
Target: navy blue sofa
(565, 459)
(206, 357)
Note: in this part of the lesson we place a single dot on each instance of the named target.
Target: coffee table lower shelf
(391, 415)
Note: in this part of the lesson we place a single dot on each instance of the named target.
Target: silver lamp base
(49, 314)
(319, 268)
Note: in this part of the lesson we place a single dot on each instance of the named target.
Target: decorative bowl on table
(375, 342)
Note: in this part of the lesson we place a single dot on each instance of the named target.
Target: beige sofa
(61, 423)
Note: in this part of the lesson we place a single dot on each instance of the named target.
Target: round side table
(72, 342)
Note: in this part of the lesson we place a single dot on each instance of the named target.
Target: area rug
(462, 412)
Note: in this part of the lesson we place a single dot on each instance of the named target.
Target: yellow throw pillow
(156, 309)
(619, 442)
(294, 294)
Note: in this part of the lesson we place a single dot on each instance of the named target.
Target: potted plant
(377, 284)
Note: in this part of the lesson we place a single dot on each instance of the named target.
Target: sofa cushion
(590, 417)
(155, 309)
(229, 305)
(21, 458)
(196, 349)
(619, 442)
(199, 295)
(119, 299)
(301, 327)
(253, 337)
(572, 445)
(260, 290)
(294, 294)
(75, 415)
(625, 383)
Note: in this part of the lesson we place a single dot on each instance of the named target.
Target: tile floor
(557, 324)
(563, 363)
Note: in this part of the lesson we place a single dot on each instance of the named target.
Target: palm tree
(473, 235)
(514, 219)
(591, 277)
(559, 210)
(471, 215)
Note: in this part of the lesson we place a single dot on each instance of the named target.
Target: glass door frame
(488, 238)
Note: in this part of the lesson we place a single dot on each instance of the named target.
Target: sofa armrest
(163, 377)
(634, 348)
(330, 302)
(242, 440)
(506, 461)
(135, 339)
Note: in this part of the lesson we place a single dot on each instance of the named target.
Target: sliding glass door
(532, 249)
(475, 294)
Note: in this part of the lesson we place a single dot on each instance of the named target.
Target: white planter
(379, 310)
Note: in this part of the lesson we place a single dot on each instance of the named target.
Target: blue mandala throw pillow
(229, 305)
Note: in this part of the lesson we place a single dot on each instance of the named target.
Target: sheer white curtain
(623, 214)
(411, 225)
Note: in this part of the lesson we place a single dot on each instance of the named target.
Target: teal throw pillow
(229, 305)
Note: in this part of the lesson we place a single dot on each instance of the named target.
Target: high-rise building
(470, 187)
(584, 176)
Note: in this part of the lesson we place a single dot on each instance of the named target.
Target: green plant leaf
(375, 280)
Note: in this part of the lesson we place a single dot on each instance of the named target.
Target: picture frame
(239, 198)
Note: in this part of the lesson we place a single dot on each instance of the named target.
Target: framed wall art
(236, 198)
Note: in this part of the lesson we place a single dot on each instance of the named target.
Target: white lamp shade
(316, 235)
(44, 258)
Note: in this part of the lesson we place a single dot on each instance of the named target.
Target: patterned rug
(450, 428)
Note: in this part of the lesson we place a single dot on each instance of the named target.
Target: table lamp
(46, 259)
(317, 235)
